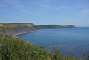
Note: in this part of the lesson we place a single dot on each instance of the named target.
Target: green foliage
(12, 48)
(53, 26)
(57, 55)
(16, 49)
(71, 58)
(48, 26)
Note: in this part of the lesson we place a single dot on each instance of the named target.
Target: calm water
(73, 41)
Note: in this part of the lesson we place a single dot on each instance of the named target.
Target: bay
(74, 41)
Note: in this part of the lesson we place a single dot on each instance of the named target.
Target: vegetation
(12, 26)
(12, 48)
(53, 26)
(16, 49)
(16, 28)
(30, 26)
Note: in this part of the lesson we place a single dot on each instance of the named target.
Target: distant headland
(20, 28)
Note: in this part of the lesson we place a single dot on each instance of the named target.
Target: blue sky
(62, 12)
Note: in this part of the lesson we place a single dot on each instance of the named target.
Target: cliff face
(16, 25)
(15, 28)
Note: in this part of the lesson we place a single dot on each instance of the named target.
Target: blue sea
(70, 41)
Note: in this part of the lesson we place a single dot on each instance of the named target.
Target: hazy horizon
(56, 12)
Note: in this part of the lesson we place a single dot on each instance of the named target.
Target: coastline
(24, 32)
(21, 33)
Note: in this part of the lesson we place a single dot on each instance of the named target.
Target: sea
(70, 41)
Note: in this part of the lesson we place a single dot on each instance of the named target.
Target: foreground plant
(12, 48)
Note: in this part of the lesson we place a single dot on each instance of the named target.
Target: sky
(59, 12)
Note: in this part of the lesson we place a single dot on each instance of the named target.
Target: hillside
(20, 28)
(12, 48)
(53, 26)
(16, 28)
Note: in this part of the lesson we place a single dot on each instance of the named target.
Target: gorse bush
(16, 49)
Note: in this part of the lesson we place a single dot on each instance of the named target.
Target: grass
(12, 48)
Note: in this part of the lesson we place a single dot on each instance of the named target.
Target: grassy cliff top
(12, 48)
